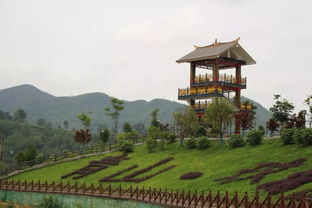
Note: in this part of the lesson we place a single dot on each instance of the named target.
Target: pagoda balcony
(200, 93)
(224, 80)
(200, 107)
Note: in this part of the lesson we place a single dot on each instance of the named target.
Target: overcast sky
(128, 49)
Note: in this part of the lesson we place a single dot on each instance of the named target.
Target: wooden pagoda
(205, 87)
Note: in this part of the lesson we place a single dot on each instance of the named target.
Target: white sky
(128, 49)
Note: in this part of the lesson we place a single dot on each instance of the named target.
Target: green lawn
(217, 161)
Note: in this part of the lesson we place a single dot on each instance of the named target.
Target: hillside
(39, 104)
(215, 162)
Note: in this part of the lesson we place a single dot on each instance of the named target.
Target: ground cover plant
(215, 162)
(191, 175)
(261, 170)
(95, 166)
(291, 182)
(131, 177)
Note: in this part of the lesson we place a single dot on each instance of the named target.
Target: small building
(204, 87)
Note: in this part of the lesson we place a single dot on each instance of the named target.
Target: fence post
(55, 158)
(137, 193)
(119, 190)
(109, 190)
(236, 200)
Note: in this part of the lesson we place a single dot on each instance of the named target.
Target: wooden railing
(159, 196)
(222, 78)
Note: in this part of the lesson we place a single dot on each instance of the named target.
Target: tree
(40, 122)
(308, 102)
(126, 128)
(218, 114)
(20, 115)
(281, 110)
(66, 124)
(140, 128)
(186, 121)
(84, 136)
(104, 135)
(85, 119)
(248, 116)
(114, 113)
(155, 121)
(5, 116)
(272, 125)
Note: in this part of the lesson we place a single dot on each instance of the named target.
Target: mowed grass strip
(215, 162)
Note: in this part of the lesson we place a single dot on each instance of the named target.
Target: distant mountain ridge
(39, 104)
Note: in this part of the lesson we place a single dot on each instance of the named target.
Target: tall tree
(83, 136)
(281, 110)
(114, 113)
(218, 114)
(104, 135)
(186, 122)
(20, 115)
(155, 120)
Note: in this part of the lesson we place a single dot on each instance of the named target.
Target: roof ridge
(217, 43)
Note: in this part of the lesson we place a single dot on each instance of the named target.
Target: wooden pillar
(215, 73)
(238, 99)
(192, 79)
(192, 73)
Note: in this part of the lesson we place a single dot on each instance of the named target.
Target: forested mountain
(39, 104)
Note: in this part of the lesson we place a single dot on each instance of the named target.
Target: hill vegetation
(41, 105)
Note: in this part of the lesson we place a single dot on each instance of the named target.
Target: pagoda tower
(205, 87)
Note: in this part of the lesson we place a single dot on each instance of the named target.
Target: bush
(125, 146)
(236, 140)
(151, 144)
(203, 143)
(191, 143)
(254, 137)
(303, 136)
(288, 136)
(172, 138)
(201, 131)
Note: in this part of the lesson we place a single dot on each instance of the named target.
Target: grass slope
(215, 162)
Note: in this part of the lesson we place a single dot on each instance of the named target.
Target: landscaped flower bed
(291, 182)
(95, 166)
(131, 177)
(261, 170)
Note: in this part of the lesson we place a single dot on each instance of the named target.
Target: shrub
(172, 138)
(288, 136)
(151, 144)
(203, 143)
(125, 146)
(191, 143)
(201, 131)
(254, 137)
(190, 175)
(236, 140)
(303, 136)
